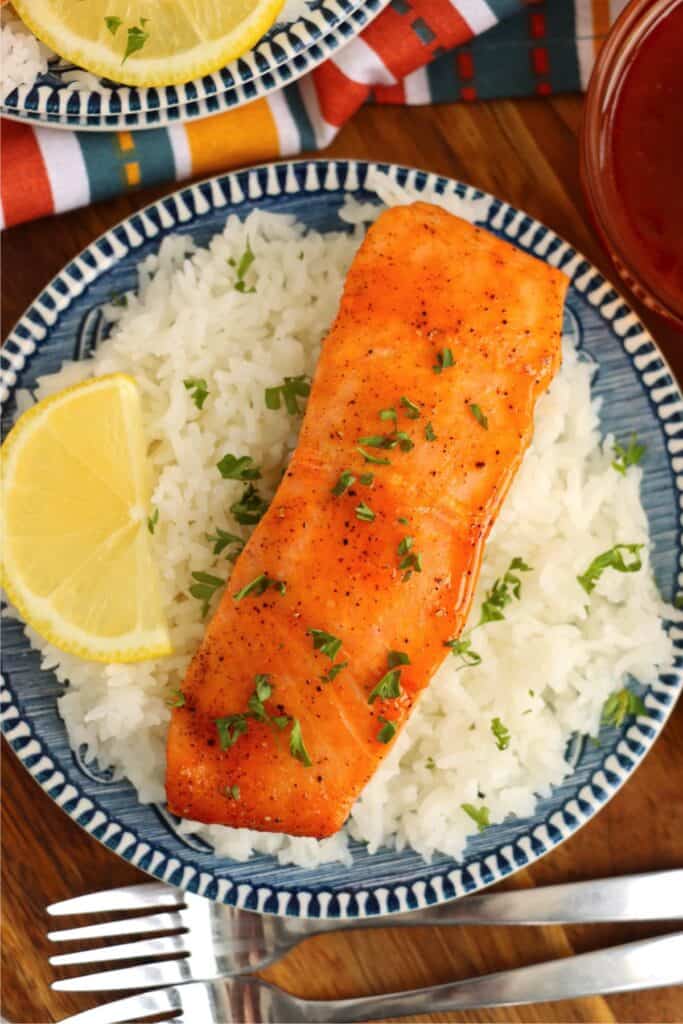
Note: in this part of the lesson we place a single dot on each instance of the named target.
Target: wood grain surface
(525, 152)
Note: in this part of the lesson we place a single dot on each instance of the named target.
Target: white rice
(546, 670)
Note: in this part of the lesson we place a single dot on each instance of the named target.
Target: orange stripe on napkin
(24, 185)
(406, 41)
(236, 137)
(339, 97)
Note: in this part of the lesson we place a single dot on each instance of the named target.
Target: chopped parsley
(429, 433)
(612, 559)
(176, 700)
(388, 414)
(620, 705)
(251, 507)
(479, 416)
(153, 520)
(629, 455)
(297, 747)
(334, 671)
(326, 643)
(412, 410)
(346, 480)
(136, 39)
(502, 592)
(430, 764)
(113, 24)
(399, 439)
(291, 389)
(233, 467)
(402, 520)
(395, 658)
(364, 513)
(678, 602)
(204, 587)
(410, 561)
(366, 479)
(388, 688)
(245, 261)
(232, 792)
(444, 359)
(259, 585)
(198, 388)
(462, 649)
(387, 732)
(231, 727)
(375, 459)
(221, 540)
(501, 733)
(479, 815)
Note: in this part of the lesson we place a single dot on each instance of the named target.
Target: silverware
(219, 941)
(639, 965)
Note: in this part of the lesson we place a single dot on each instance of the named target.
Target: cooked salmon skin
(454, 334)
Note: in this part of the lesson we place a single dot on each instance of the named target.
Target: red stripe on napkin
(24, 185)
(339, 96)
(406, 41)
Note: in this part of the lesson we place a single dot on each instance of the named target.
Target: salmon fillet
(386, 568)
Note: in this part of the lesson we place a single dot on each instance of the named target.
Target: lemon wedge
(164, 42)
(76, 555)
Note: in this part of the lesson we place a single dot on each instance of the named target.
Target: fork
(216, 941)
(649, 963)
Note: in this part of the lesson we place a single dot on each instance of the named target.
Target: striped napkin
(414, 52)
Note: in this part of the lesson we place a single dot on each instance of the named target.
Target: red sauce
(646, 158)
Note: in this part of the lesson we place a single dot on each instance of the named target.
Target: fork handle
(654, 896)
(650, 963)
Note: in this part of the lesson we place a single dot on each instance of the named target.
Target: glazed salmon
(339, 608)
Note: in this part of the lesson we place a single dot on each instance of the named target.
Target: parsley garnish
(119, 298)
(137, 37)
(501, 733)
(479, 815)
(113, 24)
(402, 520)
(412, 410)
(245, 261)
(479, 416)
(444, 359)
(326, 643)
(259, 585)
(678, 601)
(376, 441)
(334, 671)
(377, 461)
(503, 591)
(232, 727)
(288, 392)
(366, 479)
(620, 705)
(398, 438)
(388, 414)
(204, 587)
(176, 700)
(250, 508)
(629, 456)
(364, 513)
(430, 763)
(410, 561)
(232, 792)
(387, 732)
(429, 433)
(153, 520)
(233, 467)
(297, 747)
(200, 392)
(221, 540)
(388, 688)
(346, 479)
(612, 559)
(462, 649)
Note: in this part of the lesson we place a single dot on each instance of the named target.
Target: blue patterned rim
(640, 393)
(284, 53)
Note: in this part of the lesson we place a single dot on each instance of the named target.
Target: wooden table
(524, 152)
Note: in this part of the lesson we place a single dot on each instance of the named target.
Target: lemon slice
(164, 42)
(76, 551)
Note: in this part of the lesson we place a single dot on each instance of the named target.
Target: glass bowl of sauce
(632, 151)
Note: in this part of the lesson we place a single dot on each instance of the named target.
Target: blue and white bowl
(638, 392)
(287, 51)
